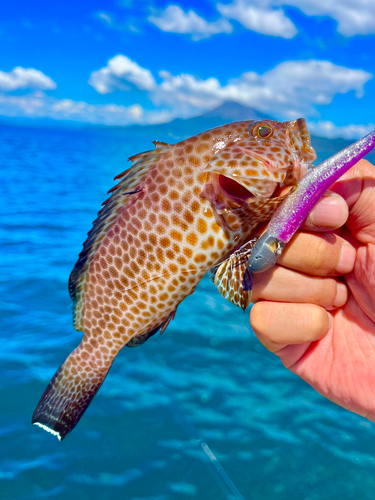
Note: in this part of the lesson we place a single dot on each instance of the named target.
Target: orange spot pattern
(158, 245)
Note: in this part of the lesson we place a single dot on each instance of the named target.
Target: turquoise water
(201, 412)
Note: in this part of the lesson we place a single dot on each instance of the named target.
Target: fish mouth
(233, 193)
(246, 182)
(234, 188)
(225, 194)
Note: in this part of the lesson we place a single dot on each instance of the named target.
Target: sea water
(201, 412)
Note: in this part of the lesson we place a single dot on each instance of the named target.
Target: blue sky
(118, 62)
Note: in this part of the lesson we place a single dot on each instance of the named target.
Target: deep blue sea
(201, 412)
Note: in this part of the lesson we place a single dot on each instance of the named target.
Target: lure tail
(69, 393)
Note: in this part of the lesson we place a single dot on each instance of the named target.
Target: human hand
(320, 325)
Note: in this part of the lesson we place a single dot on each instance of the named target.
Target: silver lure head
(265, 253)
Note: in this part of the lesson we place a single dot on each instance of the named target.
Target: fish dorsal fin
(125, 192)
(232, 278)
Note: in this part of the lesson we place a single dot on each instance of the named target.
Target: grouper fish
(179, 211)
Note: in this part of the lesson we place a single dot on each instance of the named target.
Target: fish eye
(262, 131)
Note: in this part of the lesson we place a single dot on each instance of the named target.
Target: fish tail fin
(69, 393)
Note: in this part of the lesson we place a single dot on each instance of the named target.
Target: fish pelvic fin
(68, 395)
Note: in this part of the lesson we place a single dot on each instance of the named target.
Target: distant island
(179, 128)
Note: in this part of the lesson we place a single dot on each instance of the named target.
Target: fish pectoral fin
(232, 278)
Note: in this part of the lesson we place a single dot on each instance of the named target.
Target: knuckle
(325, 257)
(324, 293)
(317, 255)
(261, 283)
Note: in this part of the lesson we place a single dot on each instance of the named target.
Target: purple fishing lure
(294, 209)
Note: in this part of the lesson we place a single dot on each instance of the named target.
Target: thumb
(357, 187)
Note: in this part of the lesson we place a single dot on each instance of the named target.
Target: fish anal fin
(141, 339)
(168, 320)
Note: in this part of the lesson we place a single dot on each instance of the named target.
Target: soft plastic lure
(294, 209)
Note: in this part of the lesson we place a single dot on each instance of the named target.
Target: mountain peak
(234, 111)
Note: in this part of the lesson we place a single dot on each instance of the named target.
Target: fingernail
(347, 259)
(341, 295)
(331, 212)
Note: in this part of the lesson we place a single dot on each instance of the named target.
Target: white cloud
(330, 130)
(136, 111)
(39, 105)
(119, 72)
(262, 16)
(291, 88)
(106, 18)
(22, 78)
(353, 18)
(186, 93)
(317, 81)
(267, 17)
(259, 17)
(174, 20)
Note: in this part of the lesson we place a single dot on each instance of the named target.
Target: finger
(350, 185)
(283, 285)
(323, 254)
(361, 280)
(279, 324)
(361, 222)
(331, 212)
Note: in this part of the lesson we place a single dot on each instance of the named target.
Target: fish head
(269, 154)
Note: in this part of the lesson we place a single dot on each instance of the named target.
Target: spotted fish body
(177, 212)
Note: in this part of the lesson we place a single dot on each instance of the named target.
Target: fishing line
(213, 464)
